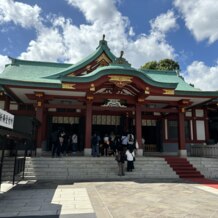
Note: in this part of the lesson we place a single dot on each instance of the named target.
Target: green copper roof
(170, 77)
(100, 49)
(117, 70)
(47, 74)
(31, 71)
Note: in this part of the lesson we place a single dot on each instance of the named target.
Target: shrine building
(104, 93)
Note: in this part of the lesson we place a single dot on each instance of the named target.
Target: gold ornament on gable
(68, 86)
(120, 81)
(168, 92)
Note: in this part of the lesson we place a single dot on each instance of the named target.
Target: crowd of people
(122, 147)
(63, 143)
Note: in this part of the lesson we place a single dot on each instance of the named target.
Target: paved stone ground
(117, 199)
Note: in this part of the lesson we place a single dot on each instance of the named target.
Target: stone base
(87, 152)
(183, 153)
(139, 152)
(38, 152)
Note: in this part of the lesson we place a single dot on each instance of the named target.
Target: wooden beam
(70, 106)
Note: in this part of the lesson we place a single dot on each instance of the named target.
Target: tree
(165, 64)
(150, 65)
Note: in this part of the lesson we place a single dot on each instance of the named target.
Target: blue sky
(68, 30)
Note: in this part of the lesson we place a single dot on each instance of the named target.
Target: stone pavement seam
(109, 213)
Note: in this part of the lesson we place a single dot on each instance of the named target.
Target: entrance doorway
(152, 134)
(69, 125)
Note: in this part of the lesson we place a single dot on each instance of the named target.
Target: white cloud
(72, 43)
(19, 13)
(47, 47)
(164, 22)
(202, 76)
(68, 42)
(200, 17)
(97, 10)
(3, 61)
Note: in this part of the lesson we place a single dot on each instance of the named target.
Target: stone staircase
(90, 168)
(8, 169)
(207, 166)
(183, 168)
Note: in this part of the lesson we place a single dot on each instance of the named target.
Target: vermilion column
(41, 128)
(7, 104)
(138, 125)
(181, 131)
(88, 133)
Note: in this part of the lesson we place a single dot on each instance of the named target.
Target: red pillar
(138, 124)
(88, 133)
(41, 127)
(181, 131)
(7, 104)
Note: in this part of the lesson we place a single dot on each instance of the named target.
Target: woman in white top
(130, 156)
(106, 144)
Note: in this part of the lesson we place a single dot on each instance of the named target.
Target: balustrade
(202, 150)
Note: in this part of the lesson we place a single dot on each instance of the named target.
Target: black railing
(19, 163)
(18, 152)
(2, 151)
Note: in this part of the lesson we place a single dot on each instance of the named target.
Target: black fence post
(15, 165)
(1, 163)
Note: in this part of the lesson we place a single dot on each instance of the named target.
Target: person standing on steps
(74, 140)
(95, 145)
(120, 158)
(130, 155)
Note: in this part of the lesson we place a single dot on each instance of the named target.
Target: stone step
(83, 168)
(207, 166)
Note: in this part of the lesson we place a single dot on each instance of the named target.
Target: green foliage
(165, 64)
(150, 65)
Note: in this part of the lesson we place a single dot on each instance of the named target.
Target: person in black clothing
(120, 158)
(54, 141)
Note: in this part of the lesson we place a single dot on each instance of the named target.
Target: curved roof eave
(100, 49)
(197, 93)
(42, 84)
(108, 70)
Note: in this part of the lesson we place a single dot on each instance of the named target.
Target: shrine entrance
(152, 135)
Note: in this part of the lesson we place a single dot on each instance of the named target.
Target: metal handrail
(19, 164)
(2, 161)
(1, 165)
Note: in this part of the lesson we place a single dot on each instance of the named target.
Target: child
(130, 155)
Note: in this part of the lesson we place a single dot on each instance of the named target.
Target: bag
(133, 157)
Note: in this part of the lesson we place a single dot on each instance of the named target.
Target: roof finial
(121, 54)
(103, 37)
